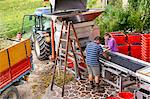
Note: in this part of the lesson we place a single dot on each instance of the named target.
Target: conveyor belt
(127, 61)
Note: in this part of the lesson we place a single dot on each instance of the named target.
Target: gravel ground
(39, 80)
(36, 85)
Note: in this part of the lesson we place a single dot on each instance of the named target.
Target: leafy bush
(136, 17)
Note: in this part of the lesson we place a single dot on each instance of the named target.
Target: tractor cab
(38, 27)
(37, 21)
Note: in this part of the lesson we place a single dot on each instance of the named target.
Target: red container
(126, 95)
(120, 38)
(70, 63)
(147, 56)
(113, 97)
(147, 60)
(146, 37)
(147, 49)
(123, 48)
(145, 52)
(134, 38)
(135, 50)
(145, 45)
(113, 33)
(145, 42)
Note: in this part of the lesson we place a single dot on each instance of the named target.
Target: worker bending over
(93, 52)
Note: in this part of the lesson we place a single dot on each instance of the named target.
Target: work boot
(99, 88)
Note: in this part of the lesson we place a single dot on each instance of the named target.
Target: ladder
(63, 52)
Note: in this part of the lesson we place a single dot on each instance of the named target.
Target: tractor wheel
(10, 93)
(42, 49)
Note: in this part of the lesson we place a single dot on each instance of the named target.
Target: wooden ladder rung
(82, 68)
(79, 53)
(60, 58)
(64, 40)
(62, 54)
(64, 31)
(62, 49)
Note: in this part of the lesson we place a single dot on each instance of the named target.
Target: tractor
(47, 22)
(40, 32)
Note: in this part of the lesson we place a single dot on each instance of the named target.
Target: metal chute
(68, 4)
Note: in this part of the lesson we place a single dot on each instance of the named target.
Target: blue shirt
(93, 52)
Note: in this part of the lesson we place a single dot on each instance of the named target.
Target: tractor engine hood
(62, 5)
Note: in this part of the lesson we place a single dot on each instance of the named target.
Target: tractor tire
(41, 47)
(10, 93)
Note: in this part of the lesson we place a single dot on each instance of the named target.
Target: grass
(12, 12)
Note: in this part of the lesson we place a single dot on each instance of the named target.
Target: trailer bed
(15, 62)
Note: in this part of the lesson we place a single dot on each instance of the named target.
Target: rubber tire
(44, 47)
(12, 89)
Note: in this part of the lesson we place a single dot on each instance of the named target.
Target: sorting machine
(126, 71)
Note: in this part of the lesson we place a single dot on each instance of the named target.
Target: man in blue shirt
(93, 52)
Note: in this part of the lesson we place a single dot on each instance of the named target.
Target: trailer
(15, 66)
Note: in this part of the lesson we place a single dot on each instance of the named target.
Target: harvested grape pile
(5, 43)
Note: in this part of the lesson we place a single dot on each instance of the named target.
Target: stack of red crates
(134, 40)
(146, 47)
(121, 42)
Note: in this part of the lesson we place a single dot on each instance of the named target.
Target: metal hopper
(72, 10)
(75, 11)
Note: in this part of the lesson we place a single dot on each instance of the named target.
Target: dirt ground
(39, 80)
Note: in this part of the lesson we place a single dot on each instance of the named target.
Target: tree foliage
(136, 17)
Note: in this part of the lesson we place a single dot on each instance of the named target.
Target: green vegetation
(134, 18)
(12, 12)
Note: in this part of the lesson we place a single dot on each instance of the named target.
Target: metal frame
(119, 71)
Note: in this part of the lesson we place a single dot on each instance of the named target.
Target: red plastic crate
(120, 38)
(145, 44)
(134, 38)
(146, 48)
(126, 95)
(135, 50)
(145, 52)
(147, 60)
(70, 63)
(113, 33)
(146, 37)
(123, 48)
